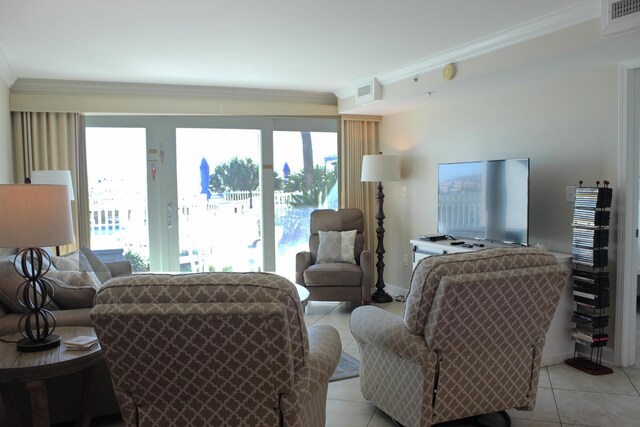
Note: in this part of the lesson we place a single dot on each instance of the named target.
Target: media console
(558, 346)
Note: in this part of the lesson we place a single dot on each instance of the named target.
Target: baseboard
(607, 357)
(555, 360)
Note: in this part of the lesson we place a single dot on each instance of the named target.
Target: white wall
(6, 156)
(566, 126)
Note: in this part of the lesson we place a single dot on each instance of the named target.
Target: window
(208, 193)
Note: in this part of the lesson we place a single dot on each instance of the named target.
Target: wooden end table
(30, 370)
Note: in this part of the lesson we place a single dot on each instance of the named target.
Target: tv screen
(485, 200)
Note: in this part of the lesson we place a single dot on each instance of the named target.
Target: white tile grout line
(632, 384)
(555, 402)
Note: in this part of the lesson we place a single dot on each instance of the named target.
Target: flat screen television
(485, 200)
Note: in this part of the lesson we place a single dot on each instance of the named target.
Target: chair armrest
(324, 350)
(305, 405)
(119, 268)
(365, 265)
(374, 326)
(303, 261)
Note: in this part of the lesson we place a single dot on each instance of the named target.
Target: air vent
(624, 8)
(367, 92)
(620, 16)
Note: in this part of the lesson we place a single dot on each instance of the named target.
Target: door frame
(627, 209)
(162, 194)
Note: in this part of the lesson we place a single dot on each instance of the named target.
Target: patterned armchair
(336, 281)
(218, 349)
(471, 340)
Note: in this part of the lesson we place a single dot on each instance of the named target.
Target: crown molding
(546, 24)
(6, 73)
(68, 87)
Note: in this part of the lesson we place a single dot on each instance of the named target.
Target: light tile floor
(566, 396)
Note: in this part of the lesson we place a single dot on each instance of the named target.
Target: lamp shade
(380, 167)
(34, 216)
(56, 177)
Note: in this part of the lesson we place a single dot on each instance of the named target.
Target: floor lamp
(379, 168)
(31, 217)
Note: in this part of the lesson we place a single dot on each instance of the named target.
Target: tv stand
(558, 346)
(425, 247)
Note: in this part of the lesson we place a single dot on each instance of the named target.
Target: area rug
(348, 367)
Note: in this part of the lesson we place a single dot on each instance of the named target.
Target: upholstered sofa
(74, 287)
(65, 312)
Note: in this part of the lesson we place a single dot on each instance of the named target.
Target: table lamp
(31, 217)
(379, 168)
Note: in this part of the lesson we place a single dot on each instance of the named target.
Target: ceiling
(310, 45)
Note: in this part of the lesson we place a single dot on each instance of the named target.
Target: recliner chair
(217, 349)
(471, 340)
(336, 281)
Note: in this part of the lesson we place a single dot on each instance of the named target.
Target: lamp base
(28, 346)
(380, 296)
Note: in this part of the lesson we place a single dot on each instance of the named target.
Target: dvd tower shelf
(591, 216)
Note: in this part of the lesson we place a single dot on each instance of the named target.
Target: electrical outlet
(570, 195)
(405, 192)
(405, 260)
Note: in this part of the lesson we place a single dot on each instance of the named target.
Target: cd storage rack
(591, 217)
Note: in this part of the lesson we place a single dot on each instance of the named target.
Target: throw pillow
(102, 271)
(336, 246)
(73, 289)
(74, 261)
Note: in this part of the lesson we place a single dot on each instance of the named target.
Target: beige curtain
(55, 141)
(359, 136)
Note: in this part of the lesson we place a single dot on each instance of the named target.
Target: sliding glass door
(209, 193)
(219, 208)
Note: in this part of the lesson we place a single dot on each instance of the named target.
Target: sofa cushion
(333, 274)
(10, 280)
(73, 289)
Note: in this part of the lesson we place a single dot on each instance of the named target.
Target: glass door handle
(169, 216)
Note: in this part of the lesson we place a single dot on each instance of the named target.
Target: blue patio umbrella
(286, 170)
(204, 178)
